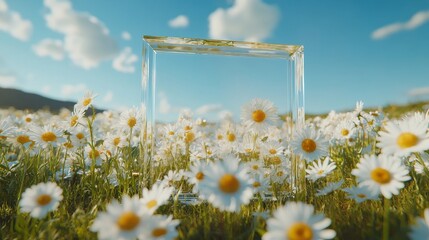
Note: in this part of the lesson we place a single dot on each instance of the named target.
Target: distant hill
(29, 101)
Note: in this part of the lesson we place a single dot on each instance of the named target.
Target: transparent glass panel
(207, 83)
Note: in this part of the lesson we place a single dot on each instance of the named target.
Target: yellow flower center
(255, 167)
(86, 101)
(308, 145)
(28, 119)
(49, 137)
(151, 204)
(256, 184)
(228, 183)
(219, 137)
(171, 133)
(381, 175)
(158, 232)
(73, 121)
(276, 160)
(116, 141)
(44, 199)
(321, 171)
(231, 137)
(93, 154)
(299, 231)
(80, 136)
(361, 195)
(187, 128)
(345, 132)
(258, 116)
(128, 221)
(199, 176)
(132, 121)
(407, 139)
(280, 174)
(68, 145)
(273, 151)
(22, 139)
(189, 137)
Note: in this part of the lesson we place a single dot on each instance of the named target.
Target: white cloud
(250, 20)
(164, 105)
(415, 21)
(126, 36)
(108, 97)
(69, 89)
(180, 21)
(86, 39)
(12, 23)
(208, 108)
(7, 81)
(46, 88)
(419, 92)
(124, 62)
(50, 48)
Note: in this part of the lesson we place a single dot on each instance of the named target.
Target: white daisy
(157, 196)
(20, 139)
(271, 148)
(420, 165)
(195, 174)
(320, 169)
(420, 231)
(40, 199)
(131, 119)
(345, 130)
(360, 194)
(46, 136)
(126, 220)
(333, 186)
(227, 184)
(382, 174)
(172, 177)
(259, 114)
(309, 144)
(85, 102)
(297, 221)
(7, 128)
(161, 228)
(404, 137)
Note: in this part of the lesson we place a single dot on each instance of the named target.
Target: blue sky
(374, 51)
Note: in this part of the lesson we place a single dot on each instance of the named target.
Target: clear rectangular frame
(190, 71)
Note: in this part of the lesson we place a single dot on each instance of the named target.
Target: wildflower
(46, 136)
(227, 184)
(418, 166)
(20, 138)
(297, 221)
(345, 130)
(156, 197)
(420, 231)
(84, 103)
(309, 144)
(124, 220)
(258, 114)
(333, 186)
(161, 227)
(320, 169)
(6, 128)
(40, 199)
(401, 138)
(384, 174)
(131, 119)
(195, 174)
(360, 194)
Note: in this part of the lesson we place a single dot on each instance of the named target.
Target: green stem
(386, 219)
